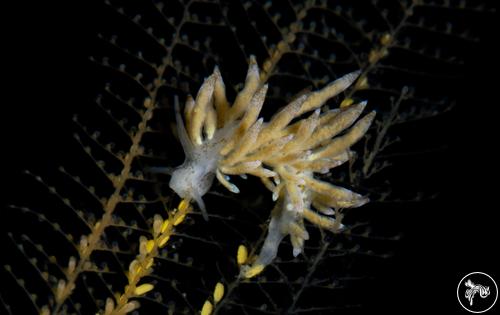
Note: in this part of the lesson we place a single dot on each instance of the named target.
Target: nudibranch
(220, 140)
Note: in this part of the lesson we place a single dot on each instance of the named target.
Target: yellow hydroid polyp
(164, 226)
(386, 39)
(143, 289)
(45, 310)
(207, 308)
(183, 205)
(253, 271)
(71, 265)
(129, 307)
(61, 285)
(157, 224)
(150, 245)
(163, 241)
(110, 306)
(362, 83)
(134, 268)
(149, 263)
(218, 292)
(179, 219)
(242, 255)
(346, 102)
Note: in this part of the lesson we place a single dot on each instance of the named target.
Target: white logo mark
(475, 288)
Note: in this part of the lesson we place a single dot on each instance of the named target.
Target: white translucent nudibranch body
(220, 140)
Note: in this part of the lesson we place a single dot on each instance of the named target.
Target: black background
(46, 76)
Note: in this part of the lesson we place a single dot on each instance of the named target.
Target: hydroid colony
(220, 140)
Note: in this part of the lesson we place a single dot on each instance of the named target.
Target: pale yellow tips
(362, 84)
(164, 226)
(110, 306)
(386, 39)
(61, 286)
(150, 245)
(179, 219)
(207, 308)
(129, 307)
(218, 292)
(71, 265)
(157, 223)
(163, 241)
(346, 102)
(143, 289)
(253, 271)
(134, 268)
(183, 205)
(242, 255)
(148, 103)
(45, 310)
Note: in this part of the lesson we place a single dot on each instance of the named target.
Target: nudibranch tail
(201, 204)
